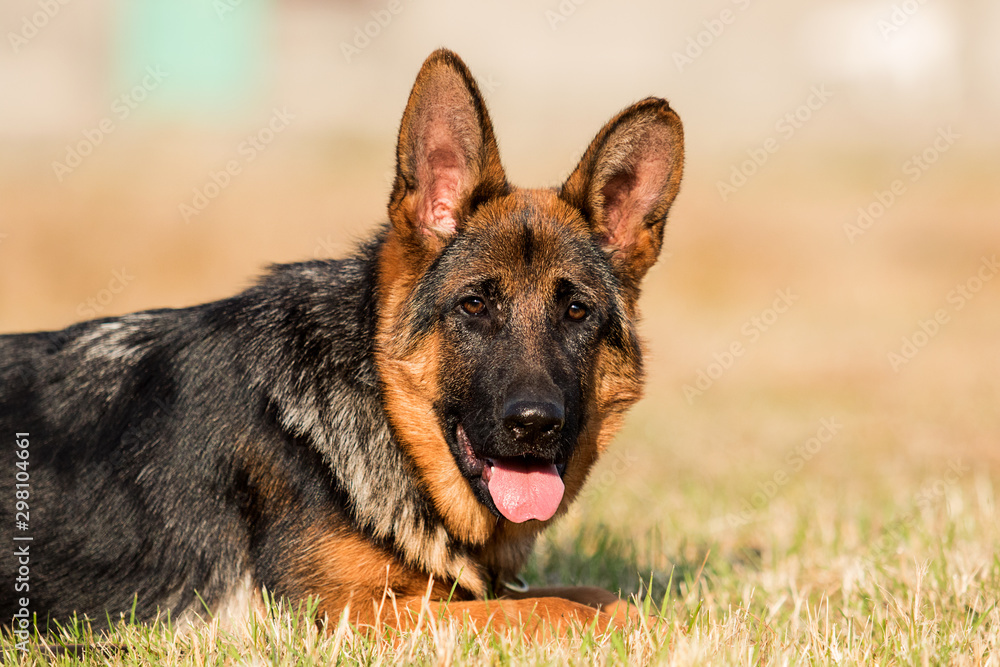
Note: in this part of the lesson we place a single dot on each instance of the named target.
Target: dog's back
(406, 421)
(147, 435)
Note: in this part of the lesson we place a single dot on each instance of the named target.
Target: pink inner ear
(441, 176)
(629, 196)
(444, 186)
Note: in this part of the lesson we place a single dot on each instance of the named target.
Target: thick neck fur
(325, 388)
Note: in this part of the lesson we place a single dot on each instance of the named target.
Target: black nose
(533, 420)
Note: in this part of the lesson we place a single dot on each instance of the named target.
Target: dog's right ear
(626, 182)
(447, 161)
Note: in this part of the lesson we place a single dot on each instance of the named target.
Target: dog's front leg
(591, 596)
(539, 617)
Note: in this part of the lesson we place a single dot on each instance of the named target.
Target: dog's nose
(532, 420)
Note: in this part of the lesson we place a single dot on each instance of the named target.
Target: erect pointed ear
(447, 160)
(626, 182)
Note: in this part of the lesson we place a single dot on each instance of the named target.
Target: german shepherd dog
(399, 425)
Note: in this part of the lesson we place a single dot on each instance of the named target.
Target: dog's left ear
(626, 182)
(447, 160)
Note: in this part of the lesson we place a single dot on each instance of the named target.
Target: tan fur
(541, 618)
(346, 570)
(448, 164)
(410, 385)
(635, 162)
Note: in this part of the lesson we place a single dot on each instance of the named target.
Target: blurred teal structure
(215, 54)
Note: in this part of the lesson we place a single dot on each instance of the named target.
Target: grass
(816, 578)
(880, 547)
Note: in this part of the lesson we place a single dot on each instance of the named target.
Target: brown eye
(576, 311)
(474, 306)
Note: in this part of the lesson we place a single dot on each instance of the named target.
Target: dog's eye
(474, 306)
(576, 311)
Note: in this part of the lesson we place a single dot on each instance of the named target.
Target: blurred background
(831, 256)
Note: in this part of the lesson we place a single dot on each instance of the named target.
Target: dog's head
(506, 341)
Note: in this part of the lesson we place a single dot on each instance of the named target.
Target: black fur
(149, 432)
(488, 366)
(179, 458)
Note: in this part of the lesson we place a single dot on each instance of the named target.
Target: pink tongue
(523, 491)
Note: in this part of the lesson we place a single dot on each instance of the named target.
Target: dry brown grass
(871, 551)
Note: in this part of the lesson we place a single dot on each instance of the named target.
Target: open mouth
(521, 488)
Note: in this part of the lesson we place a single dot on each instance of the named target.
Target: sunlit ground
(843, 461)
